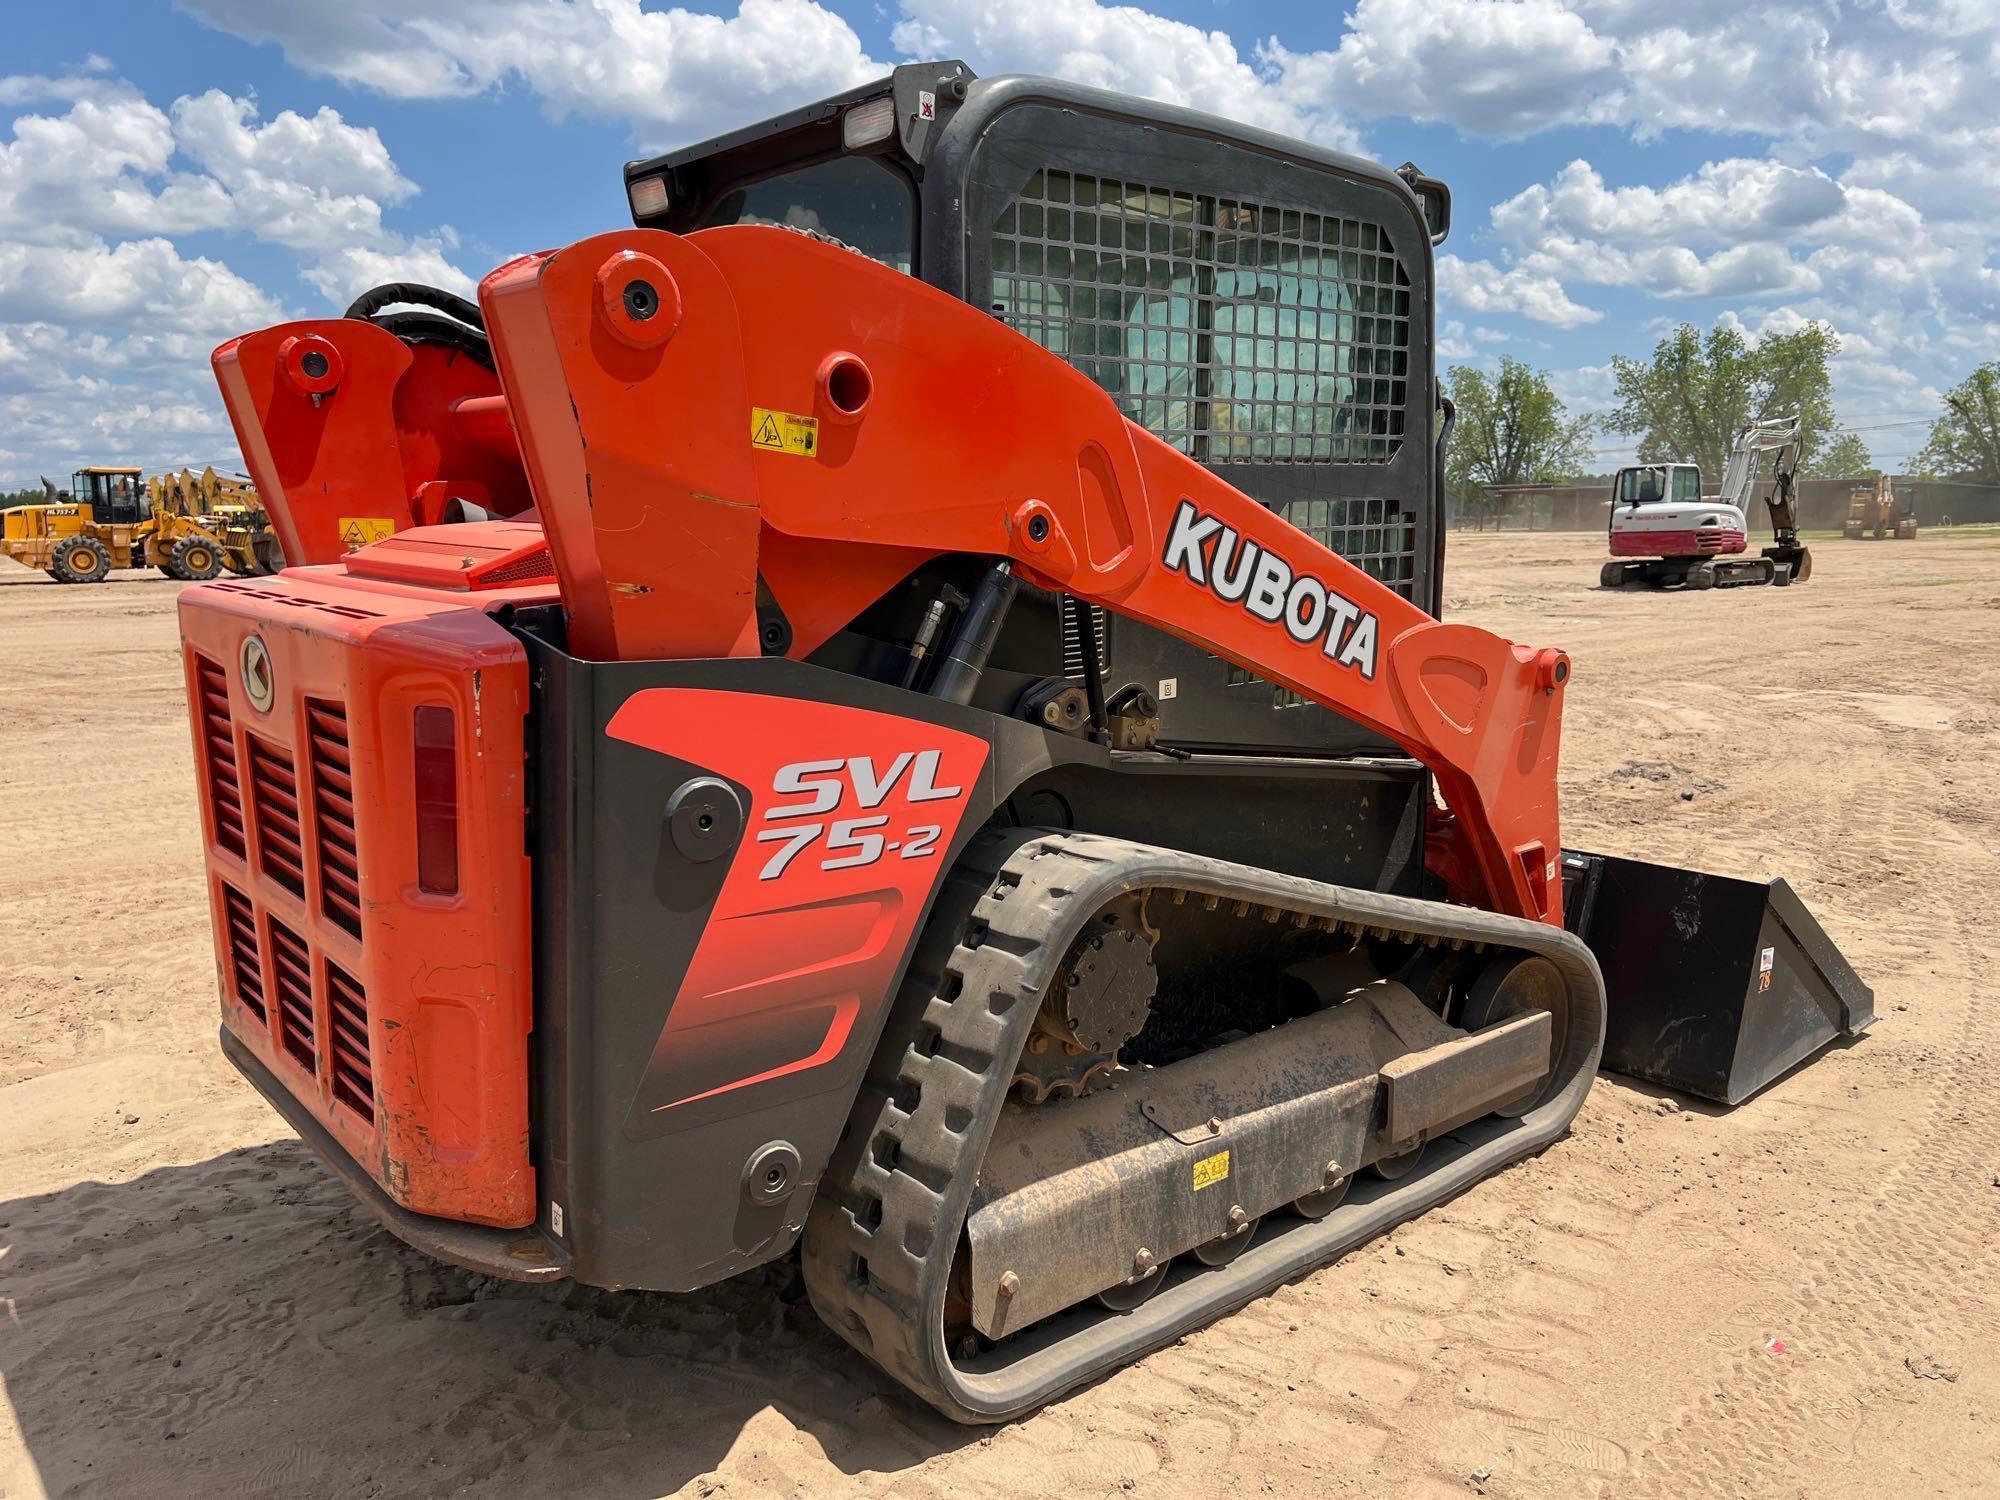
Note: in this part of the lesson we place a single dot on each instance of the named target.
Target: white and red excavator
(1665, 533)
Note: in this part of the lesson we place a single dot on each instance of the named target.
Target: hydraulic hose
(449, 320)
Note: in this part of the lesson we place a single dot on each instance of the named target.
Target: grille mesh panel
(1377, 536)
(532, 568)
(1239, 332)
(1072, 638)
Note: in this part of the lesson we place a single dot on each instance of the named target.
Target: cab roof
(812, 132)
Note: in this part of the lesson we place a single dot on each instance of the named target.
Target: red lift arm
(642, 369)
(697, 413)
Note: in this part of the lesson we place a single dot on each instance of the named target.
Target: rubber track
(878, 1245)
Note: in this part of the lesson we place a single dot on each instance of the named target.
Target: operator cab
(115, 495)
(1659, 512)
(1262, 305)
(1649, 484)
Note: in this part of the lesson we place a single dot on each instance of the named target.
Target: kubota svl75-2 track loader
(935, 771)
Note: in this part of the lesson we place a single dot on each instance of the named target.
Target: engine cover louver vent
(245, 969)
(333, 814)
(274, 799)
(291, 982)
(218, 746)
(353, 1067)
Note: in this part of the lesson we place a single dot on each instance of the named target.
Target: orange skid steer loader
(939, 758)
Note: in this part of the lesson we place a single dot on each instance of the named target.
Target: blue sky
(172, 174)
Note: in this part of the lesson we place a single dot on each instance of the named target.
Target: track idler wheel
(1510, 986)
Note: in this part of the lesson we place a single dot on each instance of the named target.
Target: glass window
(1687, 484)
(854, 199)
(1642, 486)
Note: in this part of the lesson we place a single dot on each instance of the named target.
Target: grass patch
(1980, 533)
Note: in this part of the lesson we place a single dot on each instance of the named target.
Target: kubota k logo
(260, 682)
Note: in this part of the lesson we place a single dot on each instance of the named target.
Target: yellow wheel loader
(1878, 509)
(229, 510)
(106, 520)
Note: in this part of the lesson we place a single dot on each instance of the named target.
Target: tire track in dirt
(1915, 1273)
(303, 1369)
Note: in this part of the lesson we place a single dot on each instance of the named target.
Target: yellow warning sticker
(1210, 1170)
(781, 432)
(359, 531)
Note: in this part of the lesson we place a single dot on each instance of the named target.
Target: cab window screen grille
(1377, 536)
(1239, 332)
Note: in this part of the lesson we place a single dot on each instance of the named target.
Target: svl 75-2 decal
(861, 840)
(853, 815)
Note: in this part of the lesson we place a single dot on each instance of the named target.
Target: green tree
(1696, 393)
(1965, 441)
(1512, 429)
(1846, 457)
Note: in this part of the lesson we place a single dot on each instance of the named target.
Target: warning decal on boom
(781, 432)
(359, 531)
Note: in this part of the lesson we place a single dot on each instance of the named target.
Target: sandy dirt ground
(189, 1304)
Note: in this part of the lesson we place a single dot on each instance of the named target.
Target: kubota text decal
(1207, 551)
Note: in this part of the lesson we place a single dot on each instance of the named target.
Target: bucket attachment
(1715, 986)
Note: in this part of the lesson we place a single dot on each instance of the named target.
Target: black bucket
(1716, 986)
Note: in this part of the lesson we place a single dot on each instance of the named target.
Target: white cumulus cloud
(669, 72)
(1481, 286)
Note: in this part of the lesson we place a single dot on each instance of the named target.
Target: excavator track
(881, 1246)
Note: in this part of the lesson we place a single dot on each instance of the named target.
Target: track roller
(1396, 1168)
(1318, 1205)
(1225, 1247)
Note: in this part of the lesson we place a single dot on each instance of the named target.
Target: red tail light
(437, 800)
